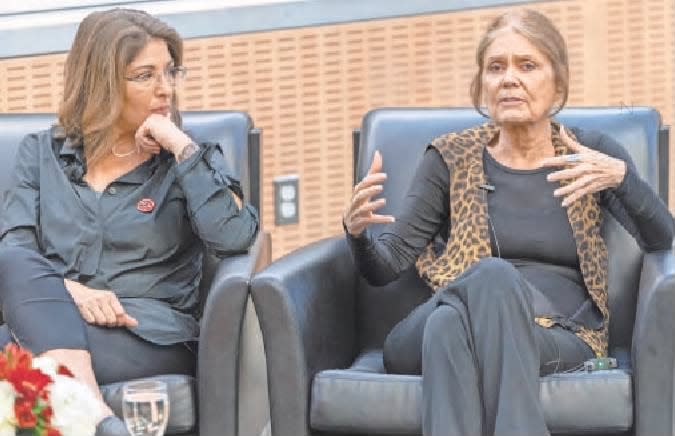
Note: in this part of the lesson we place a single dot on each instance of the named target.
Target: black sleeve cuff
(358, 242)
(630, 179)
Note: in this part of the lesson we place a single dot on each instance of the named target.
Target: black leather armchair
(323, 325)
(224, 287)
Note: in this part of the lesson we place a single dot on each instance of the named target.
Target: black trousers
(480, 354)
(40, 315)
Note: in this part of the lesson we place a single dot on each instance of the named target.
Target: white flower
(7, 429)
(76, 410)
(46, 364)
(7, 396)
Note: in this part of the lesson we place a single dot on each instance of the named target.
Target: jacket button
(112, 190)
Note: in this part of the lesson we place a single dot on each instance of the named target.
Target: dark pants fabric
(480, 354)
(40, 315)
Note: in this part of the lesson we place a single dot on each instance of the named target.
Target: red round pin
(145, 205)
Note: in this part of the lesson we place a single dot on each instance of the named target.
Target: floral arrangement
(38, 397)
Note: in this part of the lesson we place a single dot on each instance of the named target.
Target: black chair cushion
(363, 399)
(182, 401)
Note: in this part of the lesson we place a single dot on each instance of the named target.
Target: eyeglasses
(148, 78)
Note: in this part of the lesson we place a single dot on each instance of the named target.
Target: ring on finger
(571, 158)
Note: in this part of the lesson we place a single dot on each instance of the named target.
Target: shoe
(111, 426)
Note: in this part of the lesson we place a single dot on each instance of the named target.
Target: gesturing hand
(359, 213)
(589, 170)
(99, 307)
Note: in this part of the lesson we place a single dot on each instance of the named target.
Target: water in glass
(146, 408)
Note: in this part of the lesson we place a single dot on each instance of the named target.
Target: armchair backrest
(233, 130)
(13, 127)
(401, 135)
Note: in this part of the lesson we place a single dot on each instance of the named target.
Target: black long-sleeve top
(528, 226)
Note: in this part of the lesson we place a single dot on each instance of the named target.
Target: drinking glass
(145, 405)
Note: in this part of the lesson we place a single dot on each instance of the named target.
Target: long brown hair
(542, 33)
(106, 42)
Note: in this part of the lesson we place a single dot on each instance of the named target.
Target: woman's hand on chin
(587, 170)
(157, 132)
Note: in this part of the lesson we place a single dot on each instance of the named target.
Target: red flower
(31, 405)
(51, 431)
(63, 370)
(23, 409)
(17, 357)
(28, 382)
(3, 366)
(47, 413)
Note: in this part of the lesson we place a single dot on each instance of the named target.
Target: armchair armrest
(219, 338)
(653, 351)
(306, 306)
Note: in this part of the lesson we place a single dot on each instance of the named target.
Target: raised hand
(359, 213)
(99, 307)
(588, 170)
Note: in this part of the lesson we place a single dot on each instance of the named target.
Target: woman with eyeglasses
(102, 234)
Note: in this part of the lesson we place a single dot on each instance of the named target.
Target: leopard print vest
(469, 239)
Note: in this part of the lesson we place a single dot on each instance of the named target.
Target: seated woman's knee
(443, 324)
(495, 268)
(498, 280)
(13, 257)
